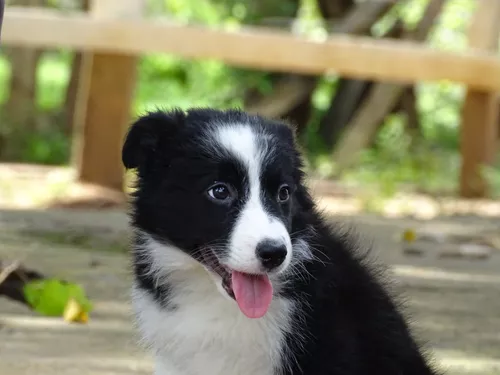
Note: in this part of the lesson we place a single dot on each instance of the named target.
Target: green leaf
(49, 297)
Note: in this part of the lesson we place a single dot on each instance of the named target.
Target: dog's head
(218, 188)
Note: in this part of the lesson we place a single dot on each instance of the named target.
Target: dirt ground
(454, 304)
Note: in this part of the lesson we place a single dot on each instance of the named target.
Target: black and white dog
(236, 272)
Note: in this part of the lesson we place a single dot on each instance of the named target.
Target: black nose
(271, 254)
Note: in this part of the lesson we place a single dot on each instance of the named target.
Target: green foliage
(49, 144)
(167, 82)
(53, 76)
(4, 77)
(164, 81)
(492, 176)
(321, 99)
(49, 297)
(45, 147)
(429, 163)
(397, 162)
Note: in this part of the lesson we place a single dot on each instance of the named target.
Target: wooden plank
(111, 84)
(479, 130)
(479, 134)
(104, 102)
(389, 60)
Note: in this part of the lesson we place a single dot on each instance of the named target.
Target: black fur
(350, 324)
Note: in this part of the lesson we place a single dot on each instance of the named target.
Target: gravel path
(455, 303)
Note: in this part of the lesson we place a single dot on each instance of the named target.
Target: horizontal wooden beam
(349, 56)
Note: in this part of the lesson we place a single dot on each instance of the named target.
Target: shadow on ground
(453, 303)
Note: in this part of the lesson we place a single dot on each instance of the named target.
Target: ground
(452, 302)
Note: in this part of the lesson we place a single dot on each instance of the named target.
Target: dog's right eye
(220, 192)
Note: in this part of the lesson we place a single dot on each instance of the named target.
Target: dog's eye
(220, 192)
(283, 193)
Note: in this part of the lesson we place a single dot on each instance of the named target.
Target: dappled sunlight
(456, 362)
(429, 273)
(407, 205)
(26, 186)
(32, 186)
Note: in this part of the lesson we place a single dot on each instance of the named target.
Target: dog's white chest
(207, 334)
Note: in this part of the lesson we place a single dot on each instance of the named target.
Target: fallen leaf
(409, 235)
(83, 317)
(51, 297)
(72, 311)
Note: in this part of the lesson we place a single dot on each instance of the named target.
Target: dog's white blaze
(254, 224)
(204, 333)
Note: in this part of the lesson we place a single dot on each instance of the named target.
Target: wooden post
(104, 98)
(479, 129)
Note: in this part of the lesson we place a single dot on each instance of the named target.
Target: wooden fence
(113, 34)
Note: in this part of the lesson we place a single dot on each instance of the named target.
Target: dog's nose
(271, 254)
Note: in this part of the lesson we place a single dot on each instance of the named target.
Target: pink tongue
(253, 293)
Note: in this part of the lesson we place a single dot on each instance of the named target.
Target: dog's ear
(148, 135)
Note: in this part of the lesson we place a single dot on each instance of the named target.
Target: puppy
(236, 272)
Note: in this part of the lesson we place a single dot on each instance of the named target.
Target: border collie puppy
(236, 271)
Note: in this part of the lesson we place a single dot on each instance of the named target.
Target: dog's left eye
(284, 193)
(220, 192)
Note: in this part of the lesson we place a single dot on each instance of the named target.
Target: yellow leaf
(409, 235)
(83, 317)
(72, 311)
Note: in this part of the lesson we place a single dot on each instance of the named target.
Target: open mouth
(225, 274)
(252, 292)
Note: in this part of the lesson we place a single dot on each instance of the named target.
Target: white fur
(202, 332)
(254, 224)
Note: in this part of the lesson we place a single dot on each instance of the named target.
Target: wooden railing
(113, 33)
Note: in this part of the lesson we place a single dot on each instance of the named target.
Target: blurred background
(411, 163)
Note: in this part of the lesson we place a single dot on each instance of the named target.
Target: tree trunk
(334, 9)
(383, 98)
(294, 104)
(72, 88)
(351, 92)
(301, 112)
(289, 90)
(20, 107)
(409, 107)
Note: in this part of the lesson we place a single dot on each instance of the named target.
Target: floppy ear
(148, 134)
